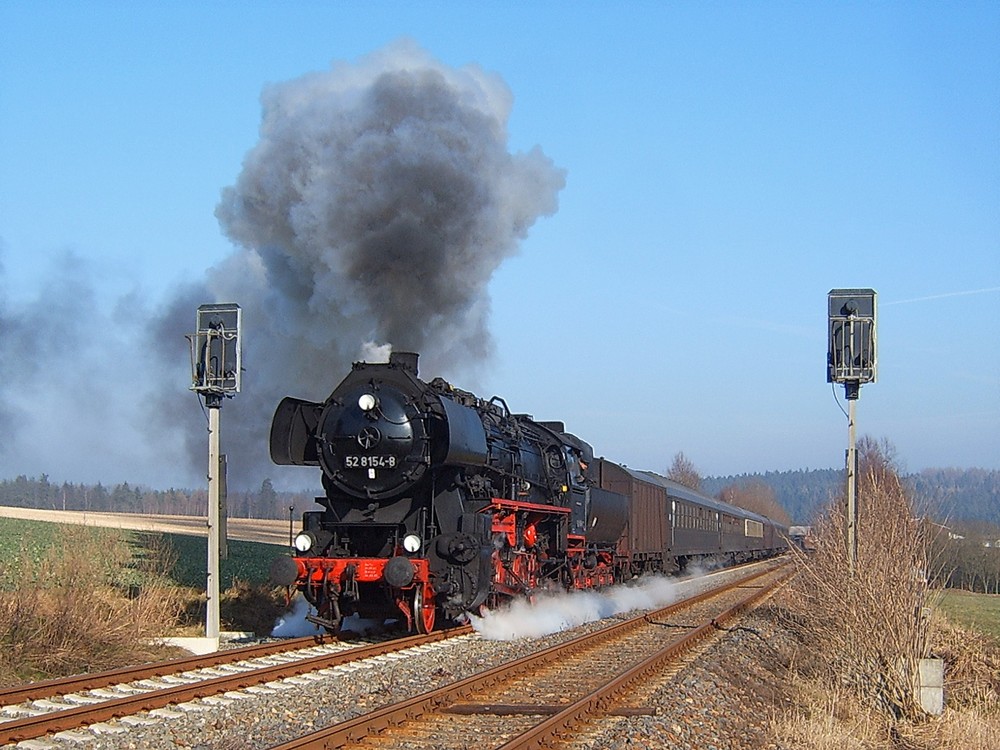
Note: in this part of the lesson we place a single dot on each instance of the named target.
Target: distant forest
(266, 502)
(948, 496)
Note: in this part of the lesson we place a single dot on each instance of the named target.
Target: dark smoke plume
(74, 383)
(372, 213)
(7, 333)
(38, 338)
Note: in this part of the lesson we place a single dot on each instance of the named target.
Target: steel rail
(63, 685)
(93, 680)
(548, 733)
(72, 718)
(356, 729)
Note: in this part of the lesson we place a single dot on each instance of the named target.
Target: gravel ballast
(725, 697)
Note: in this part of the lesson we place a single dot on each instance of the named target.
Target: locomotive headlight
(411, 543)
(367, 402)
(304, 542)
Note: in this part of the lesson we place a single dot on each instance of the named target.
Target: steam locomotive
(438, 503)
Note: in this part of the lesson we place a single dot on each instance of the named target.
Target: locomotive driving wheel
(424, 609)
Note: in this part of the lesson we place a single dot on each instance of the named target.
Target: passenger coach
(671, 525)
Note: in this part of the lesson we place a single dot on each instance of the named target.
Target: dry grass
(871, 625)
(860, 636)
(255, 608)
(972, 677)
(831, 720)
(76, 609)
(243, 607)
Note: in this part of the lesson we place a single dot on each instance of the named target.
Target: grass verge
(975, 611)
(74, 607)
(81, 599)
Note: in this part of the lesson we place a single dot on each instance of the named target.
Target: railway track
(542, 699)
(47, 708)
(234, 686)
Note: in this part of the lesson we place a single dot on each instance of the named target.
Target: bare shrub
(756, 497)
(869, 630)
(79, 609)
(255, 608)
(683, 471)
(858, 637)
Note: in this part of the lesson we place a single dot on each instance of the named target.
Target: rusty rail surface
(447, 699)
(63, 685)
(547, 733)
(17, 730)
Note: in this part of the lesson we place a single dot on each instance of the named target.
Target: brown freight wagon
(646, 542)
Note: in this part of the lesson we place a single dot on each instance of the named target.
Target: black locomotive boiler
(438, 503)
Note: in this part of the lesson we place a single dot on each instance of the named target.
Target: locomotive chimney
(405, 361)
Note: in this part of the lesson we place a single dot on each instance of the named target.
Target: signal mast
(851, 360)
(216, 371)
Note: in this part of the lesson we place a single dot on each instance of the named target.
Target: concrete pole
(852, 489)
(214, 404)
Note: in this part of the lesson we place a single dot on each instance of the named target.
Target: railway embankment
(826, 663)
(276, 713)
(755, 684)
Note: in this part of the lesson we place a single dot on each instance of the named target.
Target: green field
(23, 546)
(978, 611)
(248, 561)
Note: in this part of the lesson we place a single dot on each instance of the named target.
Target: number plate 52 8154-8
(369, 462)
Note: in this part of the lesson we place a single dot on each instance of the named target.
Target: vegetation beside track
(66, 592)
(81, 599)
(852, 678)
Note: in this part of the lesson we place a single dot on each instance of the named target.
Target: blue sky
(727, 164)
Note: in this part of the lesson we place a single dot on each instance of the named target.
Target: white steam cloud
(554, 612)
(549, 612)
(293, 624)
